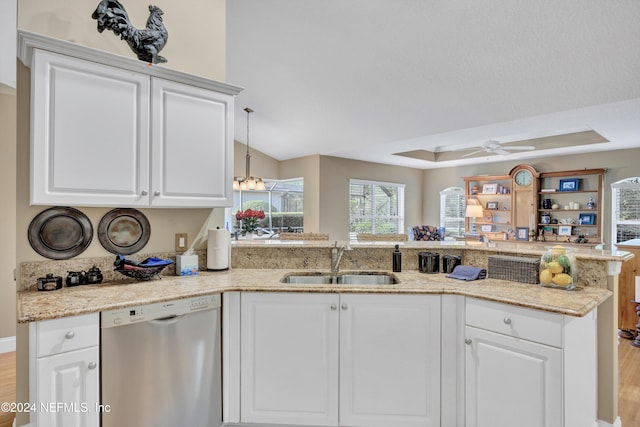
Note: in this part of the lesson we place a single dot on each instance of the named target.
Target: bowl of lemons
(558, 268)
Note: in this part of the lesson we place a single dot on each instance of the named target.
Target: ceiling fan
(495, 147)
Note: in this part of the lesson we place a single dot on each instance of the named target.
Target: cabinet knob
(144, 192)
(92, 365)
(345, 306)
(507, 321)
(69, 335)
(156, 193)
(468, 341)
(334, 306)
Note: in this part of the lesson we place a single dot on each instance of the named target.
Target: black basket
(142, 273)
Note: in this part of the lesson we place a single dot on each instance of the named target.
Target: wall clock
(523, 178)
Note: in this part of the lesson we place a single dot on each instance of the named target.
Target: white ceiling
(364, 79)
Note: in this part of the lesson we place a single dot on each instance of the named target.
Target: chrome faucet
(336, 256)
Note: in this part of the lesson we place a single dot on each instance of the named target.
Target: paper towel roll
(637, 288)
(218, 249)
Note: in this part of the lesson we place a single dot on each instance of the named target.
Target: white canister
(575, 205)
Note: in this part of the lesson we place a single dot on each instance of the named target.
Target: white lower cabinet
(64, 360)
(512, 382)
(329, 359)
(528, 368)
(68, 387)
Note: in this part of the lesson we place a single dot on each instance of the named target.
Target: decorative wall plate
(60, 233)
(124, 231)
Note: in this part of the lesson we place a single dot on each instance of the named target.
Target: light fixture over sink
(248, 182)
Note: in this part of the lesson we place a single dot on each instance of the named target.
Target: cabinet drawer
(66, 334)
(525, 323)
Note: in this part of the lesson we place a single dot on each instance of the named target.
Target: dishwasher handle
(167, 319)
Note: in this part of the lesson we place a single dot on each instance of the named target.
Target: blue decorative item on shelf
(569, 184)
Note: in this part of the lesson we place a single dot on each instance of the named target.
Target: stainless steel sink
(367, 278)
(311, 278)
(346, 278)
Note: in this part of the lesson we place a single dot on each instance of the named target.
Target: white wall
(8, 215)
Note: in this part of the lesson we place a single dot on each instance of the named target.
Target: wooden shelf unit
(500, 217)
(590, 183)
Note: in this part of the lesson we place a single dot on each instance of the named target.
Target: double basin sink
(344, 278)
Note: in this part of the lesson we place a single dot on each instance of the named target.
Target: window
(625, 206)
(452, 208)
(375, 207)
(282, 203)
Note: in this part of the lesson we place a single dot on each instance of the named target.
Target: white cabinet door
(68, 387)
(192, 148)
(511, 382)
(289, 358)
(89, 133)
(390, 360)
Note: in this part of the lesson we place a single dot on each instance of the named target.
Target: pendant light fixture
(248, 182)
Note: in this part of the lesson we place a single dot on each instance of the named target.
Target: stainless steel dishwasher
(161, 364)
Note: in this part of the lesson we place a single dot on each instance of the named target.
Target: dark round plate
(124, 231)
(60, 233)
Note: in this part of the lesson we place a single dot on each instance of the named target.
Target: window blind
(375, 207)
(626, 209)
(452, 209)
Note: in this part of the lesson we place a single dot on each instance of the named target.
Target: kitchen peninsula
(450, 324)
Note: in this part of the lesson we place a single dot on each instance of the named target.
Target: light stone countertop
(70, 301)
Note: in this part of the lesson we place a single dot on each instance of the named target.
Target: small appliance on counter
(450, 262)
(429, 262)
(94, 276)
(49, 282)
(75, 278)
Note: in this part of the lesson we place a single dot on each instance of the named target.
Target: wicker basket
(515, 269)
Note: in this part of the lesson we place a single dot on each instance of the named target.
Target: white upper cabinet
(89, 133)
(110, 131)
(191, 156)
(8, 19)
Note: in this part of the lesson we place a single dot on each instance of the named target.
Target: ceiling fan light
(260, 185)
(236, 184)
(243, 186)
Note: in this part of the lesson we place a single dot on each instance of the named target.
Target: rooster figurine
(146, 43)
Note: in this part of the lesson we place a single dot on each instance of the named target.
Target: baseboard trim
(7, 345)
(616, 423)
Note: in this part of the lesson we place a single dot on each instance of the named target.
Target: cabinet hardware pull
(144, 192)
(156, 193)
(69, 335)
(334, 306)
(468, 341)
(507, 321)
(345, 306)
(92, 365)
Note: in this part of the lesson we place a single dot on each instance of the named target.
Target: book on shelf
(548, 190)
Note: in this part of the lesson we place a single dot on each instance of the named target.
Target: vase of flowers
(249, 220)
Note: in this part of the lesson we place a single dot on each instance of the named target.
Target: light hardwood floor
(7, 385)
(629, 395)
(629, 384)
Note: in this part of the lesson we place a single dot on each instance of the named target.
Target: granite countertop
(519, 248)
(70, 301)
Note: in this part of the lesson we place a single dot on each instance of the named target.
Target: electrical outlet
(181, 242)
